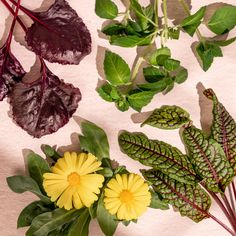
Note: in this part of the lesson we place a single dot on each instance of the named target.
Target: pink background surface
(13, 140)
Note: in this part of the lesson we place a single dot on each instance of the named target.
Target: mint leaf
(191, 23)
(153, 74)
(181, 75)
(116, 70)
(160, 56)
(129, 40)
(223, 43)
(171, 64)
(156, 87)
(106, 9)
(223, 20)
(113, 29)
(105, 92)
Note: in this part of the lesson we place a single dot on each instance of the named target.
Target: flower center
(126, 196)
(73, 178)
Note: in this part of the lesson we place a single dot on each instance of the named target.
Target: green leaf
(30, 212)
(223, 20)
(168, 117)
(80, 227)
(191, 23)
(51, 152)
(223, 128)
(140, 99)
(106, 172)
(113, 29)
(207, 52)
(158, 155)
(155, 87)
(116, 70)
(122, 104)
(108, 223)
(106, 9)
(45, 223)
(173, 33)
(181, 75)
(157, 203)
(105, 92)
(190, 200)
(37, 166)
(223, 43)
(160, 56)
(94, 140)
(171, 64)
(21, 184)
(130, 41)
(153, 74)
(209, 159)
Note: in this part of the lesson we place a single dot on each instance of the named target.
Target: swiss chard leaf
(168, 117)
(158, 155)
(208, 159)
(191, 200)
(223, 128)
(106, 9)
(45, 105)
(59, 34)
(223, 20)
(11, 71)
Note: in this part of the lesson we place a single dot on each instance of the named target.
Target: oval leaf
(106, 9)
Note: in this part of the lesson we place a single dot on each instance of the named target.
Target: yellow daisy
(73, 183)
(127, 196)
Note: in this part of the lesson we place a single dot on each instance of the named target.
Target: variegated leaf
(168, 117)
(190, 200)
(209, 159)
(223, 128)
(158, 155)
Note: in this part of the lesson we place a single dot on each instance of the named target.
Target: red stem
(231, 212)
(234, 190)
(231, 196)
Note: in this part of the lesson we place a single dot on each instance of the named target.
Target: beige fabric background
(13, 140)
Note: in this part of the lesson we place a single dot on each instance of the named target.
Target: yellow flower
(73, 183)
(127, 196)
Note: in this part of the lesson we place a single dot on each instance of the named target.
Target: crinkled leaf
(122, 104)
(191, 23)
(223, 20)
(130, 41)
(140, 99)
(190, 200)
(107, 222)
(223, 128)
(208, 159)
(207, 52)
(168, 117)
(147, 14)
(21, 184)
(59, 34)
(181, 75)
(159, 56)
(153, 74)
(106, 9)
(30, 212)
(45, 105)
(116, 70)
(94, 140)
(158, 155)
(45, 223)
(11, 71)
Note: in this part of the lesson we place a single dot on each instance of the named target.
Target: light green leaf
(191, 200)
(157, 203)
(160, 56)
(122, 104)
(223, 20)
(106, 9)
(156, 87)
(106, 172)
(181, 75)
(191, 23)
(153, 74)
(21, 184)
(116, 70)
(94, 140)
(158, 155)
(105, 92)
(168, 117)
(209, 159)
(108, 223)
(138, 100)
(130, 41)
(171, 64)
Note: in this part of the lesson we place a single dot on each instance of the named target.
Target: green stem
(126, 17)
(165, 13)
(156, 13)
(136, 68)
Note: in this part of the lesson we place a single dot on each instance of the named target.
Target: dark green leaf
(158, 155)
(168, 117)
(21, 184)
(170, 84)
(153, 74)
(173, 33)
(191, 23)
(138, 100)
(105, 92)
(157, 203)
(223, 20)
(108, 223)
(171, 64)
(106, 9)
(181, 75)
(209, 159)
(223, 128)
(155, 87)
(116, 70)
(51, 152)
(191, 200)
(130, 41)
(113, 29)
(223, 43)
(122, 104)
(160, 56)
(106, 172)
(80, 227)
(94, 140)
(30, 212)
(37, 166)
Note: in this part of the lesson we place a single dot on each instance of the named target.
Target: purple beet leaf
(58, 34)
(45, 105)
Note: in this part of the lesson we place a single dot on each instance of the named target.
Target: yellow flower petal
(110, 193)
(113, 184)
(86, 196)
(125, 181)
(93, 182)
(77, 201)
